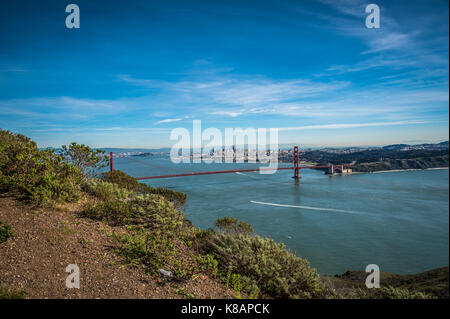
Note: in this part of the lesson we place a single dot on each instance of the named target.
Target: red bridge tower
(296, 163)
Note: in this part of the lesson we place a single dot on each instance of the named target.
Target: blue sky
(137, 69)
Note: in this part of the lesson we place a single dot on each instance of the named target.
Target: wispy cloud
(396, 45)
(351, 22)
(350, 125)
(237, 95)
(168, 121)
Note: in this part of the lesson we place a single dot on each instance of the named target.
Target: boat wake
(304, 207)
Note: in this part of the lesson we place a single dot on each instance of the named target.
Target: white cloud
(168, 121)
(350, 125)
(228, 113)
(399, 43)
(238, 95)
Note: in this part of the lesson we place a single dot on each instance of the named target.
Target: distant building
(347, 171)
(340, 169)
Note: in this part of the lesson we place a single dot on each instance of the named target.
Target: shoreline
(403, 170)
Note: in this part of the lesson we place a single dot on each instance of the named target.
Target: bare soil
(46, 241)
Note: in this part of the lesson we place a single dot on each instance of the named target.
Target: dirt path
(46, 241)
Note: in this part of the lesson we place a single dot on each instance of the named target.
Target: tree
(86, 159)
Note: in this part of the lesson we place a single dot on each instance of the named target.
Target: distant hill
(365, 156)
(143, 154)
(407, 147)
(411, 163)
(433, 281)
(395, 147)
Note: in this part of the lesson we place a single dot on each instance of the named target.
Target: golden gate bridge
(297, 167)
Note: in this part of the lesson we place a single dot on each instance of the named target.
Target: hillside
(434, 281)
(47, 240)
(427, 146)
(394, 164)
(367, 156)
(32, 263)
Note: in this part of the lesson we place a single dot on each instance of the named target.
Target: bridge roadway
(229, 171)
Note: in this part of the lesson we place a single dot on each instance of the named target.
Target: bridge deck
(228, 171)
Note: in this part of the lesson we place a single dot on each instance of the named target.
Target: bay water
(397, 220)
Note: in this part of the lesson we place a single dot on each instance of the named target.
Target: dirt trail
(46, 241)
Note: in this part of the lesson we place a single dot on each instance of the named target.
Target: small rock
(166, 273)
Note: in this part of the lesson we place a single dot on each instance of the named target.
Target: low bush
(149, 211)
(107, 191)
(112, 212)
(208, 264)
(5, 232)
(121, 179)
(177, 198)
(390, 292)
(143, 248)
(128, 182)
(262, 264)
(156, 213)
(6, 293)
(154, 223)
(232, 225)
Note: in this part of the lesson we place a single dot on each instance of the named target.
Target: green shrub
(11, 294)
(177, 198)
(156, 213)
(184, 293)
(155, 226)
(5, 232)
(262, 265)
(107, 191)
(113, 212)
(128, 182)
(142, 248)
(230, 224)
(208, 263)
(36, 175)
(150, 211)
(201, 235)
(121, 179)
(390, 292)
